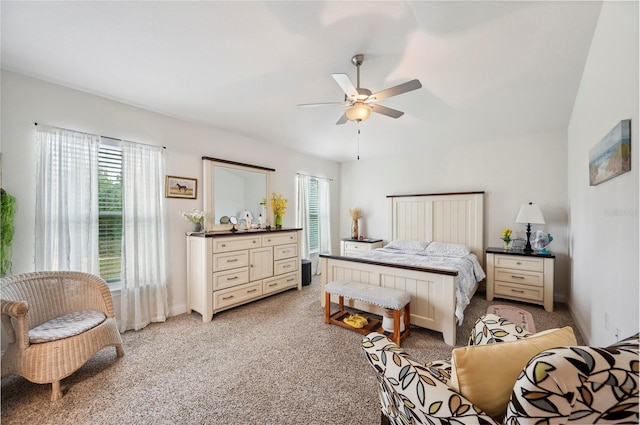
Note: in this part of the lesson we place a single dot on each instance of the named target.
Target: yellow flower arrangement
(506, 235)
(278, 204)
(355, 213)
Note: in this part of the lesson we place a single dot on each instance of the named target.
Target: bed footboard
(433, 293)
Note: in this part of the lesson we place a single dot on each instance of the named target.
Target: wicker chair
(56, 321)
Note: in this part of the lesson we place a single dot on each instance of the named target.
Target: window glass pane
(110, 208)
(313, 216)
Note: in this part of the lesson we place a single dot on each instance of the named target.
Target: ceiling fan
(361, 101)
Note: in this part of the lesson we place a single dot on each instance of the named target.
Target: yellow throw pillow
(486, 374)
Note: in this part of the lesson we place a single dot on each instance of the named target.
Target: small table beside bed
(435, 254)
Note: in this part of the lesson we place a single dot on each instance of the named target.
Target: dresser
(353, 247)
(516, 275)
(225, 270)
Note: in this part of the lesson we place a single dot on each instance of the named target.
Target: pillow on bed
(408, 245)
(447, 250)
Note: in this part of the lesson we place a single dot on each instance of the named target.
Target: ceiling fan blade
(343, 119)
(393, 113)
(396, 90)
(345, 83)
(322, 104)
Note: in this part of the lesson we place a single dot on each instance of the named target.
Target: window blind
(313, 216)
(110, 211)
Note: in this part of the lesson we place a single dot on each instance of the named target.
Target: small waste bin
(306, 272)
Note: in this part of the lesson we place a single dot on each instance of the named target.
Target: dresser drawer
(520, 263)
(285, 266)
(235, 243)
(230, 260)
(279, 238)
(355, 246)
(289, 280)
(235, 295)
(532, 293)
(230, 278)
(519, 277)
(285, 251)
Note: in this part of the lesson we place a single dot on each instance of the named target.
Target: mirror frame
(208, 171)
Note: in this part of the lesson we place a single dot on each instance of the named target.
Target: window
(110, 212)
(314, 235)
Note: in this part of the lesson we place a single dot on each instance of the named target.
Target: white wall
(604, 218)
(26, 100)
(511, 172)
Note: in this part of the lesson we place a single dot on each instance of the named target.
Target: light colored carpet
(273, 361)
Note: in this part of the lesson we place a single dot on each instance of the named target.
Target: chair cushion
(66, 326)
(491, 329)
(486, 374)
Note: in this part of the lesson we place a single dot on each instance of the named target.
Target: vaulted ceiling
(488, 69)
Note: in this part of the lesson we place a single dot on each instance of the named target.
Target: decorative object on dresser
(225, 270)
(279, 205)
(196, 217)
(520, 276)
(450, 218)
(529, 214)
(351, 248)
(506, 237)
(355, 214)
(540, 240)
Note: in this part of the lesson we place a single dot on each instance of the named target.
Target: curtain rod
(106, 137)
(315, 177)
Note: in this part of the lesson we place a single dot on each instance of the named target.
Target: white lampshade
(358, 112)
(530, 214)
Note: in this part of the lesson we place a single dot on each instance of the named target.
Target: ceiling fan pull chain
(358, 140)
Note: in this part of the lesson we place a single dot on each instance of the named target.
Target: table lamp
(529, 214)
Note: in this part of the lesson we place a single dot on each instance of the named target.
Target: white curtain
(144, 274)
(66, 201)
(324, 213)
(302, 214)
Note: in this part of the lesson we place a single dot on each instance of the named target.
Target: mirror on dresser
(233, 189)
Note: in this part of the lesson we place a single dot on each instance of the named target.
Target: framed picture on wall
(180, 187)
(611, 156)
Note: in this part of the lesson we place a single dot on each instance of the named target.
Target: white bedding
(469, 269)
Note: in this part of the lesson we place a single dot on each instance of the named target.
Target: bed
(454, 218)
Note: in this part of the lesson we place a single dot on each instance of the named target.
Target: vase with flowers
(506, 237)
(279, 206)
(356, 214)
(196, 217)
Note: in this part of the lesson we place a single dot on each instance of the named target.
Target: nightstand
(353, 247)
(519, 276)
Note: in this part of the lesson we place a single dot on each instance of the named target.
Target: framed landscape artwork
(180, 187)
(611, 156)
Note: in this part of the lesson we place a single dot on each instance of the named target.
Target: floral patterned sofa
(571, 384)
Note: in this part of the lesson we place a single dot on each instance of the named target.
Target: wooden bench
(390, 298)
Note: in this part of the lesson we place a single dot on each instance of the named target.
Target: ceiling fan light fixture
(358, 112)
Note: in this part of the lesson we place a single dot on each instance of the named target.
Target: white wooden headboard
(449, 217)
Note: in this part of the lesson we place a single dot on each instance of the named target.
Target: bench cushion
(378, 295)
(66, 326)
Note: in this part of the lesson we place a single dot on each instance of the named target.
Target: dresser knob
(223, 245)
(518, 262)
